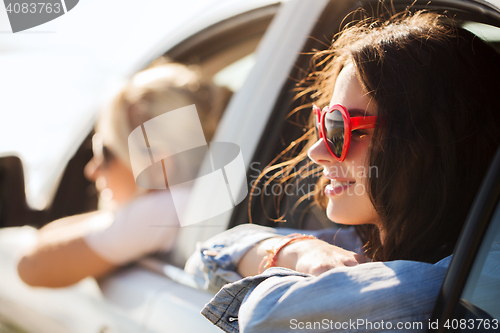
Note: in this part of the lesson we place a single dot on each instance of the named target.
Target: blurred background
(54, 78)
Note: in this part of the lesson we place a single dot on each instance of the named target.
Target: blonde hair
(152, 92)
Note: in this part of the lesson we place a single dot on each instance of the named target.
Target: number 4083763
(471, 324)
(40, 7)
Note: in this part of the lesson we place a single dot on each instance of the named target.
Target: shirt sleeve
(214, 262)
(365, 298)
(145, 225)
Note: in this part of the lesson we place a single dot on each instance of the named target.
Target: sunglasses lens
(334, 131)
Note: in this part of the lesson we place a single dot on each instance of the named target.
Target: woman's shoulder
(406, 290)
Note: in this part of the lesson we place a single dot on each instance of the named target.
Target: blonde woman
(135, 221)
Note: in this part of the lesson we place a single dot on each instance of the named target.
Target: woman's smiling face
(348, 199)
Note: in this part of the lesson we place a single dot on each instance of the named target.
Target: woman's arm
(309, 256)
(94, 244)
(238, 252)
(61, 256)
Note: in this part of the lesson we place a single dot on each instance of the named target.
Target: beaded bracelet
(270, 259)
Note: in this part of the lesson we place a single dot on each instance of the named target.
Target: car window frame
(469, 243)
(252, 106)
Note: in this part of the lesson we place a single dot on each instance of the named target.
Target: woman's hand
(311, 256)
(314, 257)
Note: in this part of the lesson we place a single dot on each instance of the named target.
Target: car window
(225, 54)
(482, 288)
(486, 32)
(481, 294)
(483, 284)
(233, 75)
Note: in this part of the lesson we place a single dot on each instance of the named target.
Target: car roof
(55, 76)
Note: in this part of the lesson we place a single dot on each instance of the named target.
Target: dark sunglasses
(334, 126)
(102, 155)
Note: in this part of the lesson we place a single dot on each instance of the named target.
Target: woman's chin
(343, 214)
(337, 214)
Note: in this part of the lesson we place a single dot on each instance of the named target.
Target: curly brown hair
(437, 89)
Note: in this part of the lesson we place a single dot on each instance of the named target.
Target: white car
(258, 49)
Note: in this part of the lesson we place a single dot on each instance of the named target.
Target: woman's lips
(337, 186)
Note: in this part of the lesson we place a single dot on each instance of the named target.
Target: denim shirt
(378, 296)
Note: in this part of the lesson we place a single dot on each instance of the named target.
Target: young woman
(410, 126)
(134, 221)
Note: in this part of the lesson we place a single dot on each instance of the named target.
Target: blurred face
(348, 199)
(114, 181)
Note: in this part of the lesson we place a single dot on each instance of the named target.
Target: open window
(224, 52)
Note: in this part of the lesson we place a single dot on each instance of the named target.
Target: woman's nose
(319, 154)
(91, 170)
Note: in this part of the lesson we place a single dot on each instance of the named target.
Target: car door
(469, 299)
